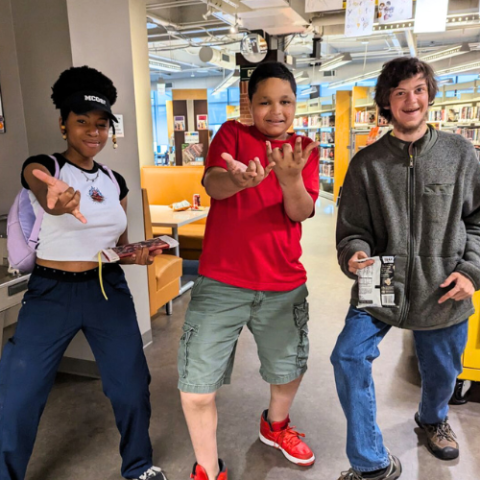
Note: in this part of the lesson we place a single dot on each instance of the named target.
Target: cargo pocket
(188, 332)
(300, 314)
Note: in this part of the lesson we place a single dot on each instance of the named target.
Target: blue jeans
(55, 307)
(439, 355)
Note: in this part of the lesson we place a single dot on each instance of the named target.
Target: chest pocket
(439, 189)
(437, 201)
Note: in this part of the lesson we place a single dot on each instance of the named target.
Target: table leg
(188, 285)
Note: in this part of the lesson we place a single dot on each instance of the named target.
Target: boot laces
(148, 474)
(290, 436)
(444, 431)
(351, 475)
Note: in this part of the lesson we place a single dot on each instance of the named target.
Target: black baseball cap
(86, 101)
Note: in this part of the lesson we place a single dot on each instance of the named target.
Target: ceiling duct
(216, 57)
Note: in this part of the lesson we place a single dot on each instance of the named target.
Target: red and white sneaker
(199, 472)
(287, 440)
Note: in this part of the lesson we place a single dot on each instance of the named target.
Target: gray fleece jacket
(421, 203)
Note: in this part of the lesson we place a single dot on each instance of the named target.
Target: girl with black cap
(85, 212)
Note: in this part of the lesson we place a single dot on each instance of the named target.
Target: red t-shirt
(250, 242)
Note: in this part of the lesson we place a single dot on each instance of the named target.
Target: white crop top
(63, 237)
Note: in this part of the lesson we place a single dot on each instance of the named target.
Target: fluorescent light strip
(452, 20)
(308, 91)
(448, 53)
(336, 62)
(359, 78)
(459, 69)
(164, 66)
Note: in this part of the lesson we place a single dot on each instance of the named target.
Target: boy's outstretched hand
(61, 198)
(246, 176)
(289, 162)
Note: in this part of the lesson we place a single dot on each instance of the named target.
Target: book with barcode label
(376, 286)
(163, 242)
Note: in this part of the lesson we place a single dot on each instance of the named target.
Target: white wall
(13, 143)
(109, 46)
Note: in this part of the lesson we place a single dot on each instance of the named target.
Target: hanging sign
(323, 5)
(359, 17)
(431, 16)
(394, 10)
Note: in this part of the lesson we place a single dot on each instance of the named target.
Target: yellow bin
(471, 356)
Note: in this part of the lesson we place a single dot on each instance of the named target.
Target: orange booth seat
(165, 272)
(167, 185)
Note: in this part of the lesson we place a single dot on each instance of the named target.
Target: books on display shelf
(326, 169)
(327, 137)
(314, 121)
(365, 117)
(455, 113)
(327, 153)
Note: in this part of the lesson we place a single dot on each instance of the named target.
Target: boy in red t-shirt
(263, 182)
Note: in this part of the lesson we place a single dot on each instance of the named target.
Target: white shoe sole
(294, 460)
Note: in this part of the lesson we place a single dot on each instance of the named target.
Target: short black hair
(394, 72)
(270, 70)
(80, 79)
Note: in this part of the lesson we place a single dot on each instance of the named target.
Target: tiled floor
(78, 439)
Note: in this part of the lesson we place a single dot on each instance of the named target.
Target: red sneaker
(288, 441)
(199, 472)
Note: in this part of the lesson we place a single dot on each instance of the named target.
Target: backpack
(23, 226)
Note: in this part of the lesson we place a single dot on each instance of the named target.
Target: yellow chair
(165, 272)
(167, 185)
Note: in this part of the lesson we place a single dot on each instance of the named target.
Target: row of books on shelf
(365, 117)
(458, 113)
(316, 136)
(314, 121)
(327, 153)
(472, 134)
(326, 169)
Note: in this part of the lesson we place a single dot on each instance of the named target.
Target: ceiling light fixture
(308, 91)
(335, 62)
(301, 76)
(359, 78)
(227, 82)
(458, 69)
(161, 65)
(448, 53)
(232, 4)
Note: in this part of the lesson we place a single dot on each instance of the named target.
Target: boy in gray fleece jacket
(414, 195)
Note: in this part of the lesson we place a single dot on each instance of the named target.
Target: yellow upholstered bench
(167, 185)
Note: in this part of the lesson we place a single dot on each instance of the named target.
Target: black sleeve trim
(122, 184)
(44, 160)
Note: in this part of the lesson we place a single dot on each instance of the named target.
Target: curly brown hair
(394, 72)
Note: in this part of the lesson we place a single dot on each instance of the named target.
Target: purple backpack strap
(111, 175)
(33, 239)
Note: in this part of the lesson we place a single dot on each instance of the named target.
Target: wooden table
(164, 216)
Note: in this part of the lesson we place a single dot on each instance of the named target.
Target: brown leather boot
(441, 440)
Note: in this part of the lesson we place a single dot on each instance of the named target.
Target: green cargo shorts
(214, 320)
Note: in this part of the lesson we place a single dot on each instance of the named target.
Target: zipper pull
(411, 161)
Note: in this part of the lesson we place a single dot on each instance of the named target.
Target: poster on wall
(202, 122)
(322, 5)
(192, 154)
(192, 137)
(394, 10)
(359, 17)
(430, 16)
(119, 132)
(2, 119)
(179, 123)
